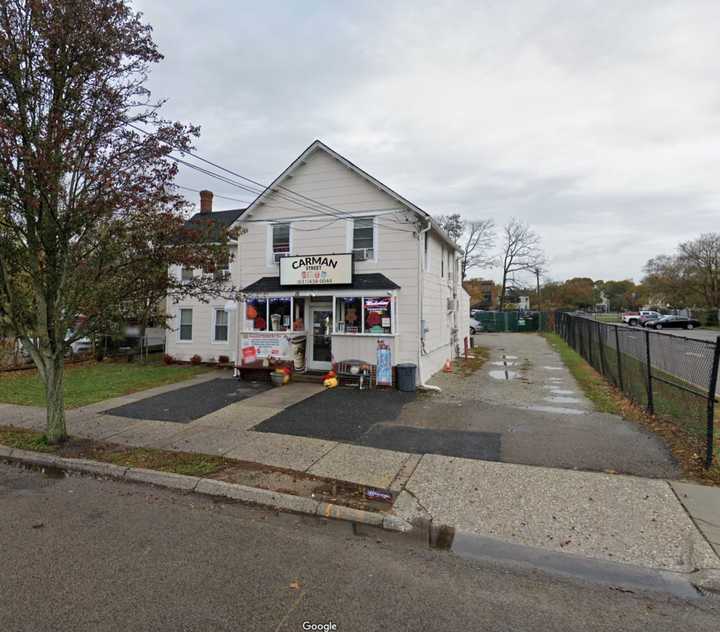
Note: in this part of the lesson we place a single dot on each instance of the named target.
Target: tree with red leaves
(90, 222)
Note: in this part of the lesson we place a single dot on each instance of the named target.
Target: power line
(246, 188)
(262, 187)
(222, 197)
(331, 212)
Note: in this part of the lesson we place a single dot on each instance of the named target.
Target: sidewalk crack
(320, 458)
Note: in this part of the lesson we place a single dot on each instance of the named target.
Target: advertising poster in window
(264, 347)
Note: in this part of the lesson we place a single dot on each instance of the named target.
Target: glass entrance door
(322, 325)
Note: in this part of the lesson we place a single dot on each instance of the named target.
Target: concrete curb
(209, 487)
(707, 579)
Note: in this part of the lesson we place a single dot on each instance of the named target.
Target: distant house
(333, 266)
(483, 293)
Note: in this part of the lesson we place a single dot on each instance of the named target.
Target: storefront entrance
(319, 338)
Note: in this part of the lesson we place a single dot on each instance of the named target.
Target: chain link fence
(672, 376)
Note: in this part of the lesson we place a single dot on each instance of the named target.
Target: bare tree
(521, 252)
(475, 238)
(702, 259)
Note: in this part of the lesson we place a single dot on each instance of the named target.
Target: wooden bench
(346, 375)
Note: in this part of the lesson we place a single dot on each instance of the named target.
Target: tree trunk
(54, 373)
(502, 292)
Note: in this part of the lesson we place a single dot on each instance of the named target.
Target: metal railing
(671, 376)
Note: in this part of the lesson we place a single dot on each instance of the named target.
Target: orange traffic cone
(447, 367)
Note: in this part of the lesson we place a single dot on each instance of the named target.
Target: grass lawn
(597, 389)
(93, 382)
(608, 318)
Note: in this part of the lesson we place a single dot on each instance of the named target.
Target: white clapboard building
(333, 265)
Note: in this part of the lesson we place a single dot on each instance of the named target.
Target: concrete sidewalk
(631, 520)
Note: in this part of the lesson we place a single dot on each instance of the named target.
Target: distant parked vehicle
(647, 316)
(638, 318)
(475, 326)
(673, 322)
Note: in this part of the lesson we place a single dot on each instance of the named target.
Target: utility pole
(537, 279)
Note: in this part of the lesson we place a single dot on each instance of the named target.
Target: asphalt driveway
(186, 404)
(522, 407)
(370, 418)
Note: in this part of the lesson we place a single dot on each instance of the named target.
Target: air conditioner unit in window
(362, 254)
(222, 275)
(279, 255)
(451, 305)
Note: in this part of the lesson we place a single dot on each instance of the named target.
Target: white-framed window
(185, 332)
(222, 269)
(220, 325)
(363, 238)
(280, 240)
(274, 314)
(187, 274)
(364, 315)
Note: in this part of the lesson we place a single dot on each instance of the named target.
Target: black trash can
(406, 377)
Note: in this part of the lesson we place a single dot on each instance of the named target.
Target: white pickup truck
(639, 318)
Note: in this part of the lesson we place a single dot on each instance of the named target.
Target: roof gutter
(421, 339)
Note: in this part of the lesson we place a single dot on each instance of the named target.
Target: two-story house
(332, 265)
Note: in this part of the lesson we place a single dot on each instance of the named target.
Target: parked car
(638, 318)
(475, 326)
(647, 316)
(673, 322)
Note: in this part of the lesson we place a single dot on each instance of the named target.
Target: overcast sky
(598, 122)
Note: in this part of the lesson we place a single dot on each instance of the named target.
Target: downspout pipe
(420, 267)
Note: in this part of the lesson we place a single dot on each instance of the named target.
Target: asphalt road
(709, 335)
(84, 554)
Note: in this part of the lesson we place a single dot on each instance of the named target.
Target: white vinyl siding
(186, 333)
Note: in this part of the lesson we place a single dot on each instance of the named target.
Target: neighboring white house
(333, 265)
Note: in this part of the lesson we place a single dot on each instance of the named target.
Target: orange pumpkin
(251, 312)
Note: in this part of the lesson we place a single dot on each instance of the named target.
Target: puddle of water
(557, 409)
(502, 363)
(509, 357)
(552, 368)
(504, 375)
(560, 391)
(564, 400)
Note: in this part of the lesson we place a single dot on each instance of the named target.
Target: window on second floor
(187, 274)
(364, 238)
(280, 240)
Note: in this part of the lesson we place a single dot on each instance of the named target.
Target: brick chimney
(206, 201)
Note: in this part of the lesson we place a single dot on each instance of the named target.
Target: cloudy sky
(598, 122)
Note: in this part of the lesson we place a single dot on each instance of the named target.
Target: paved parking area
(370, 418)
(522, 407)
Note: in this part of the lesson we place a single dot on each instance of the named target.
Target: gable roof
(213, 224)
(276, 185)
